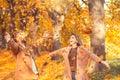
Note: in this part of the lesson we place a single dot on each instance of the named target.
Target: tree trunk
(22, 21)
(57, 28)
(0, 38)
(57, 36)
(11, 5)
(96, 12)
(58, 19)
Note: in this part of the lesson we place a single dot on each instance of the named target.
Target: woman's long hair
(78, 39)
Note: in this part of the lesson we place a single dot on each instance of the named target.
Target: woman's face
(73, 40)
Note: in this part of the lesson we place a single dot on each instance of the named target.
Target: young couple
(76, 59)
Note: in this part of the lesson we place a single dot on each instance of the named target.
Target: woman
(76, 59)
(25, 65)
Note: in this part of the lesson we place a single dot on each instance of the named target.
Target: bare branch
(75, 5)
(67, 8)
(85, 2)
(52, 15)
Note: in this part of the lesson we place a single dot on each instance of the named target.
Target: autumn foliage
(32, 17)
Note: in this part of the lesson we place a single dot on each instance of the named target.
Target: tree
(96, 12)
(11, 4)
(57, 15)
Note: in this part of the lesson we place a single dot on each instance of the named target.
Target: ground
(53, 70)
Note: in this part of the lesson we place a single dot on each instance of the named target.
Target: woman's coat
(83, 57)
(23, 58)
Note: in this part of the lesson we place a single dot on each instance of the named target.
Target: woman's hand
(106, 64)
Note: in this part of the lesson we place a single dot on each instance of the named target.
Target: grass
(112, 74)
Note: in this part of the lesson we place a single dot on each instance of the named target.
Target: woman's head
(74, 39)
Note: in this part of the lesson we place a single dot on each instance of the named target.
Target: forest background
(62, 17)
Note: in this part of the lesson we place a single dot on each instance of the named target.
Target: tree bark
(0, 38)
(56, 28)
(96, 12)
(11, 5)
(58, 19)
(22, 21)
(57, 37)
(3, 13)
